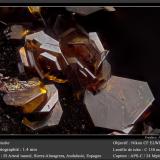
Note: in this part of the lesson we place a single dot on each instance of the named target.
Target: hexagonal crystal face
(120, 104)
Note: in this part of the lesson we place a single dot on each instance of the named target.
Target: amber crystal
(86, 56)
(43, 54)
(29, 99)
(50, 112)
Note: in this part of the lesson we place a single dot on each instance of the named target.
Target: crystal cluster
(113, 102)
(82, 58)
(34, 97)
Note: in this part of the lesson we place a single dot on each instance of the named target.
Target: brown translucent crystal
(86, 59)
(34, 98)
(43, 54)
(51, 109)
(75, 43)
(29, 99)
(77, 53)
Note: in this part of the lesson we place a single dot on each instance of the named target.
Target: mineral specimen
(80, 58)
(33, 97)
(120, 104)
(53, 109)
